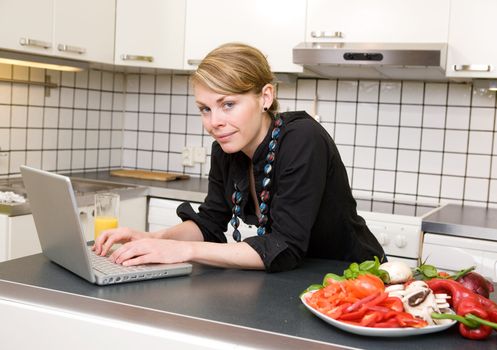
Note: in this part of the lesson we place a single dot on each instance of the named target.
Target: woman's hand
(152, 250)
(119, 235)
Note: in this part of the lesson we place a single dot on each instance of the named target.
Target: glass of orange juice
(106, 212)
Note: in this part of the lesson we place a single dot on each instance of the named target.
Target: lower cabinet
(18, 235)
(162, 215)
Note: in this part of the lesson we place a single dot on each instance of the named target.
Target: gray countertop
(257, 308)
(193, 189)
(463, 221)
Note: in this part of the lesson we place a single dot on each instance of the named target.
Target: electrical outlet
(187, 156)
(199, 154)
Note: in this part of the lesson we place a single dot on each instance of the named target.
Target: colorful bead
(236, 198)
(236, 210)
(265, 196)
(267, 169)
(272, 145)
(275, 133)
(235, 222)
(264, 208)
(237, 236)
(266, 182)
(270, 157)
(261, 230)
(263, 220)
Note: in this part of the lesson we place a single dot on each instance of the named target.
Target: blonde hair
(235, 68)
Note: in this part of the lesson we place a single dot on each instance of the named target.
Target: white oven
(396, 225)
(457, 237)
(452, 254)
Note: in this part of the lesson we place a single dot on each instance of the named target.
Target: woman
(279, 171)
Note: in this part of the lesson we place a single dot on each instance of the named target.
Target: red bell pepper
(466, 302)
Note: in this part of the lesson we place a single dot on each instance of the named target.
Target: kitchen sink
(79, 185)
(84, 189)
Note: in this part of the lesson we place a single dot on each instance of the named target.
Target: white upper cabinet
(85, 29)
(472, 52)
(273, 26)
(378, 21)
(150, 33)
(27, 25)
(66, 28)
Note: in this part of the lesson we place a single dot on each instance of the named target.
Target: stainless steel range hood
(412, 61)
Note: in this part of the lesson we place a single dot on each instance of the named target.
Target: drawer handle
(472, 67)
(326, 35)
(127, 57)
(69, 48)
(35, 43)
(193, 62)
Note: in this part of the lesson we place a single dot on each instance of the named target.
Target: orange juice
(103, 223)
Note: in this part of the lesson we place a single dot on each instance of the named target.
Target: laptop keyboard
(104, 265)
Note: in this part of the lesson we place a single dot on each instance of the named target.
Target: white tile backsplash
(480, 142)
(34, 139)
(390, 91)
(408, 160)
(435, 94)
(412, 92)
(482, 119)
(406, 139)
(365, 135)
(459, 94)
(386, 158)
(347, 90)
(345, 112)
(478, 165)
(306, 89)
(388, 114)
(147, 84)
(434, 116)
(368, 91)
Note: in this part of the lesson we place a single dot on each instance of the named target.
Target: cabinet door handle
(34, 43)
(193, 62)
(69, 48)
(328, 35)
(472, 67)
(127, 57)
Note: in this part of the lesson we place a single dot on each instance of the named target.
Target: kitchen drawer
(162, 215)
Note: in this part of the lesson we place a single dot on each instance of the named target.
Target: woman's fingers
(108, 238)
(127, 251)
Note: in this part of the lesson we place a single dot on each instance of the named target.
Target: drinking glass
(106, 212)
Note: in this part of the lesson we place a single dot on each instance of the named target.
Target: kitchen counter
(193, 189)
(248, 308)
(463, 221)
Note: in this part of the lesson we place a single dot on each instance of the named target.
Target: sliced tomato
(364, 285)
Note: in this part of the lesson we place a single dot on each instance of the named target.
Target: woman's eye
(204, 110)
(229, 105)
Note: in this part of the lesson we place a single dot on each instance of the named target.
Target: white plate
(376, 332)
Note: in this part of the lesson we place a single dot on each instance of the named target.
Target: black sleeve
(299, 180)
(214, 213)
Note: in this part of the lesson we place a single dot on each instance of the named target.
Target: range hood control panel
(360, 56)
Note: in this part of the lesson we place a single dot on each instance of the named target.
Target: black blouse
(312, 212)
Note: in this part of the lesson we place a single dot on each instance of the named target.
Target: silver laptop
(53, 204)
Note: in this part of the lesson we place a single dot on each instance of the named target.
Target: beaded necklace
(236, 198)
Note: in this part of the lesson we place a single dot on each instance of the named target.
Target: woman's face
(237, 122)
